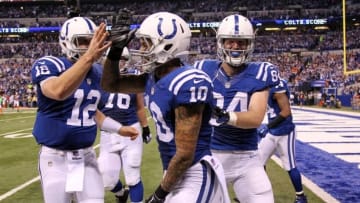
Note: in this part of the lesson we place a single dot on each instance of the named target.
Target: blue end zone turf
(337, 177)
(323, 137)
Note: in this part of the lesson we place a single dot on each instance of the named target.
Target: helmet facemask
(235, 57)
(144, 59)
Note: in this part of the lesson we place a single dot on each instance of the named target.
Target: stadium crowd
(279, 47)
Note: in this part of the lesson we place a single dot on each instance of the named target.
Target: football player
(179, 99)
(68, 91)
(118, 152)
(241, 89)
(279, 136)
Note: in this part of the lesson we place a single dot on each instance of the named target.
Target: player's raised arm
(62, 86)
(120, 36)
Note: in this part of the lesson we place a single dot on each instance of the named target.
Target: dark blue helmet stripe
(236, 24)
(89, 24)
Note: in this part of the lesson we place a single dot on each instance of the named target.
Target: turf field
(19, 182)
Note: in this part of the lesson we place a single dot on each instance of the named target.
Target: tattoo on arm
(188, 121)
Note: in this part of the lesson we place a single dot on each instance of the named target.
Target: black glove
(158, 196)
(154, 199)
(221, 116)
(146, 134)
(120, 34)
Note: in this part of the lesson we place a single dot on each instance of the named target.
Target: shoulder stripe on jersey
(199, 64)
(57, 62)
(183, 77)
(187, 78)
(262, 72)
(178, 77)
(61, 63)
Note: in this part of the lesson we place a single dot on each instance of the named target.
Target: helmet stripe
(236, 20)
(87, 20)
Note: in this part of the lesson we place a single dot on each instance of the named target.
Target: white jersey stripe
(267, 65)
(260, 71)
(58, 60)
(187, 78)
(199, 64)
(58, 66)
(182, 75)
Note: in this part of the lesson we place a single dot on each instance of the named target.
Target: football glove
(154, 199)
(158, 196)
(146, 135)
(221, 116)
(120, 34)
(262, 130)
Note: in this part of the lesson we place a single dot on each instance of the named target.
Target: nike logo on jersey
(198, 81)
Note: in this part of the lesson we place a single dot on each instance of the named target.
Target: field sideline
(19, 180)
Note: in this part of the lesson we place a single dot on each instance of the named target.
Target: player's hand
(262, 130)
(221, 116)
(97, 45)
(120, 34)
(129, 131)
(146, 135)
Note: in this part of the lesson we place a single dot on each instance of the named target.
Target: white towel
(219, 171)
(75, 171)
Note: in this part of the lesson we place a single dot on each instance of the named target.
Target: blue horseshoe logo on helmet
(170, 35)
(66, 32)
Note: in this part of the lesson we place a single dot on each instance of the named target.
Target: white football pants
(283, 146)
(119, 152)
(54, 168)
(244, 171)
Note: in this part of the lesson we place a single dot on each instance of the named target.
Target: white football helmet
(166, 36)
(235, 27)
(73, 33)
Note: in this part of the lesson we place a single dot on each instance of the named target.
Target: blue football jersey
(233, 94)
(121, 107)
(183, 86)
(66, 124)
(285, 127)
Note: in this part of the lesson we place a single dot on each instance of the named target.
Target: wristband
(110, 125)
(161, 193)
(232, 118)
